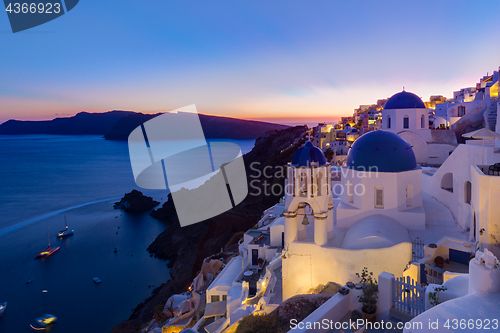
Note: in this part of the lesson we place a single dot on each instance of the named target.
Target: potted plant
(439, 261)
(434, 295)
(369, 296)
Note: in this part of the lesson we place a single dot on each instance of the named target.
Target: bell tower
(308, 197)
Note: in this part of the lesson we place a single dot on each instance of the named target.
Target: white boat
(65, 232)
(2, 308)
(97, 280)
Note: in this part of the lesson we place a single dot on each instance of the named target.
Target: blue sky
(244, 58)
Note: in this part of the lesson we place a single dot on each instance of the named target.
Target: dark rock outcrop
(186, 248)
(136, 202)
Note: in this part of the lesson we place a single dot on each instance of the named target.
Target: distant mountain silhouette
(81, 123)
(117, 125)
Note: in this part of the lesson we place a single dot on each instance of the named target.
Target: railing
(490, 170)
(408, 297)
(434, 274)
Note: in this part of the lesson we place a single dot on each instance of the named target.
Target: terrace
(490, 170)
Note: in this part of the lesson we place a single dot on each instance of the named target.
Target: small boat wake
(24, 224)
(37, 328)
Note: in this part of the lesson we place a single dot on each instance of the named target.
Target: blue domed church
(377, 202)
(406, 115)
(381, 177)
(405, 111)
(308, 200)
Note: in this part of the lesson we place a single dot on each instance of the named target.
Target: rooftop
(263, 239)
(229, 274)
(439, 223)
(381, 151)
(404, 100)
(374, 232)
(466, 308)
(308, 156)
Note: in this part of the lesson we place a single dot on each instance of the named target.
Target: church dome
(386, 151)
(404, 100)
(375, 232)
(308, 156)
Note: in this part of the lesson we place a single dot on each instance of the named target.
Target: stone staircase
(396, 317)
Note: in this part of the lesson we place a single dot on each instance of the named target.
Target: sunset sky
(252, 59)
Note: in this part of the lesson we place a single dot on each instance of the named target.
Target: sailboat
(48, 251)
(65, 232)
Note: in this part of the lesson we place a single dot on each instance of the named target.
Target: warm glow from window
(494, 90)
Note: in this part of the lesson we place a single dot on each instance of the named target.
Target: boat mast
(65, 222)
(48, 233)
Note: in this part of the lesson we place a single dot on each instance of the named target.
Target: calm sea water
(44, 178)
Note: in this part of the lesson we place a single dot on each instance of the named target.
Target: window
(350, 190)
(406, 122)
(379, 196)
(461, 111)
(320, 183)
(409, 195)
(422, 121)
(474, 230)
(388, 121)
(447, 182)
(467, 192)
(224, 297)
(303, 183)
(214, 298)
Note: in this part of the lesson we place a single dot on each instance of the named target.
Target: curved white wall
(308, 265)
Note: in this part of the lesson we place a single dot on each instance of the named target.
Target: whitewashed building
(406, 115)
(316, 252)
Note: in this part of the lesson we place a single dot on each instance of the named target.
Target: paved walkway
(207, 322)
(277, 295)
(439, 222)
